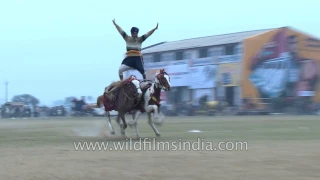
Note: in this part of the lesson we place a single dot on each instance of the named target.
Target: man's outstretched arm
(148, 34)
(122, 33)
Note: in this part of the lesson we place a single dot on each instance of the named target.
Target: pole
(6, 91)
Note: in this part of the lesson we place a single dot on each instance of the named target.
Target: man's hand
(114, 22)
(156, 26)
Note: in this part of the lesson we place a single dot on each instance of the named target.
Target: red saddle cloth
(108, 104)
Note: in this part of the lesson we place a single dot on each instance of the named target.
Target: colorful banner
(281, 63)
(229, 74)
(178, 74)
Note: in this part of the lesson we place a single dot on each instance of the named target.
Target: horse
(151, 98)
(121, 96)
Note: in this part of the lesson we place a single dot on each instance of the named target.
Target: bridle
(159, 81)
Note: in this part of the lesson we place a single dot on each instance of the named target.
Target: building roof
(202, 41)
(153, 45)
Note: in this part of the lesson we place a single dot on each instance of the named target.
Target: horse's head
(163, 80)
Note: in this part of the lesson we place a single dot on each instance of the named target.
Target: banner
(178, 75)
(202, 76)
(281, 63)
(229, 74)
(229, 58)
(202, 61)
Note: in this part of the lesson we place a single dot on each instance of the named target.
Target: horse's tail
(100, 101)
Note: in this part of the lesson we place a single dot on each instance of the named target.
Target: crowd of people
(20, 110)
(79, 107)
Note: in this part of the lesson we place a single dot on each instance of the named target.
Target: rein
(133, 88)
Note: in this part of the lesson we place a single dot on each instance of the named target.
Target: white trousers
(124, 68)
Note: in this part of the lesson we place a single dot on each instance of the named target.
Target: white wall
(221, 91)
(147, 58)
(237, 95)
(185, 94)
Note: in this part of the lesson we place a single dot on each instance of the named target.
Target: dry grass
(279, 148)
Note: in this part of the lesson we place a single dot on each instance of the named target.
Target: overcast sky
(57, 48)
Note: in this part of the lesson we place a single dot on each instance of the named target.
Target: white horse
(152, 101)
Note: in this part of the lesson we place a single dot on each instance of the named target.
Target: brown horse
(121, 96)
(152, 100)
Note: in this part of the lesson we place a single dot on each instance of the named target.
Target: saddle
(113, 87)
(110, 96)
(109, 101)
(111, 93)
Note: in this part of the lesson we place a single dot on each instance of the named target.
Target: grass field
(279, 147)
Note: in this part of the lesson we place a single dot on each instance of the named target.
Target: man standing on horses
(133, 58)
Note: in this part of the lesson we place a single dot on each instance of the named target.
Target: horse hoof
(124, 126)
(112, 132)
(131, 124)
(158, 135)
(157, 123)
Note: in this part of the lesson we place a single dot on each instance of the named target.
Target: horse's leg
(135, 122)
(135, 118)
(156, 115)
(152, 125)
(160, 113)
(109, 123)
(117, 119)
(134, 112)
(123, 126)
(154, 108)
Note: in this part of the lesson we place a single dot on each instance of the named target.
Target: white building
(195, 66)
